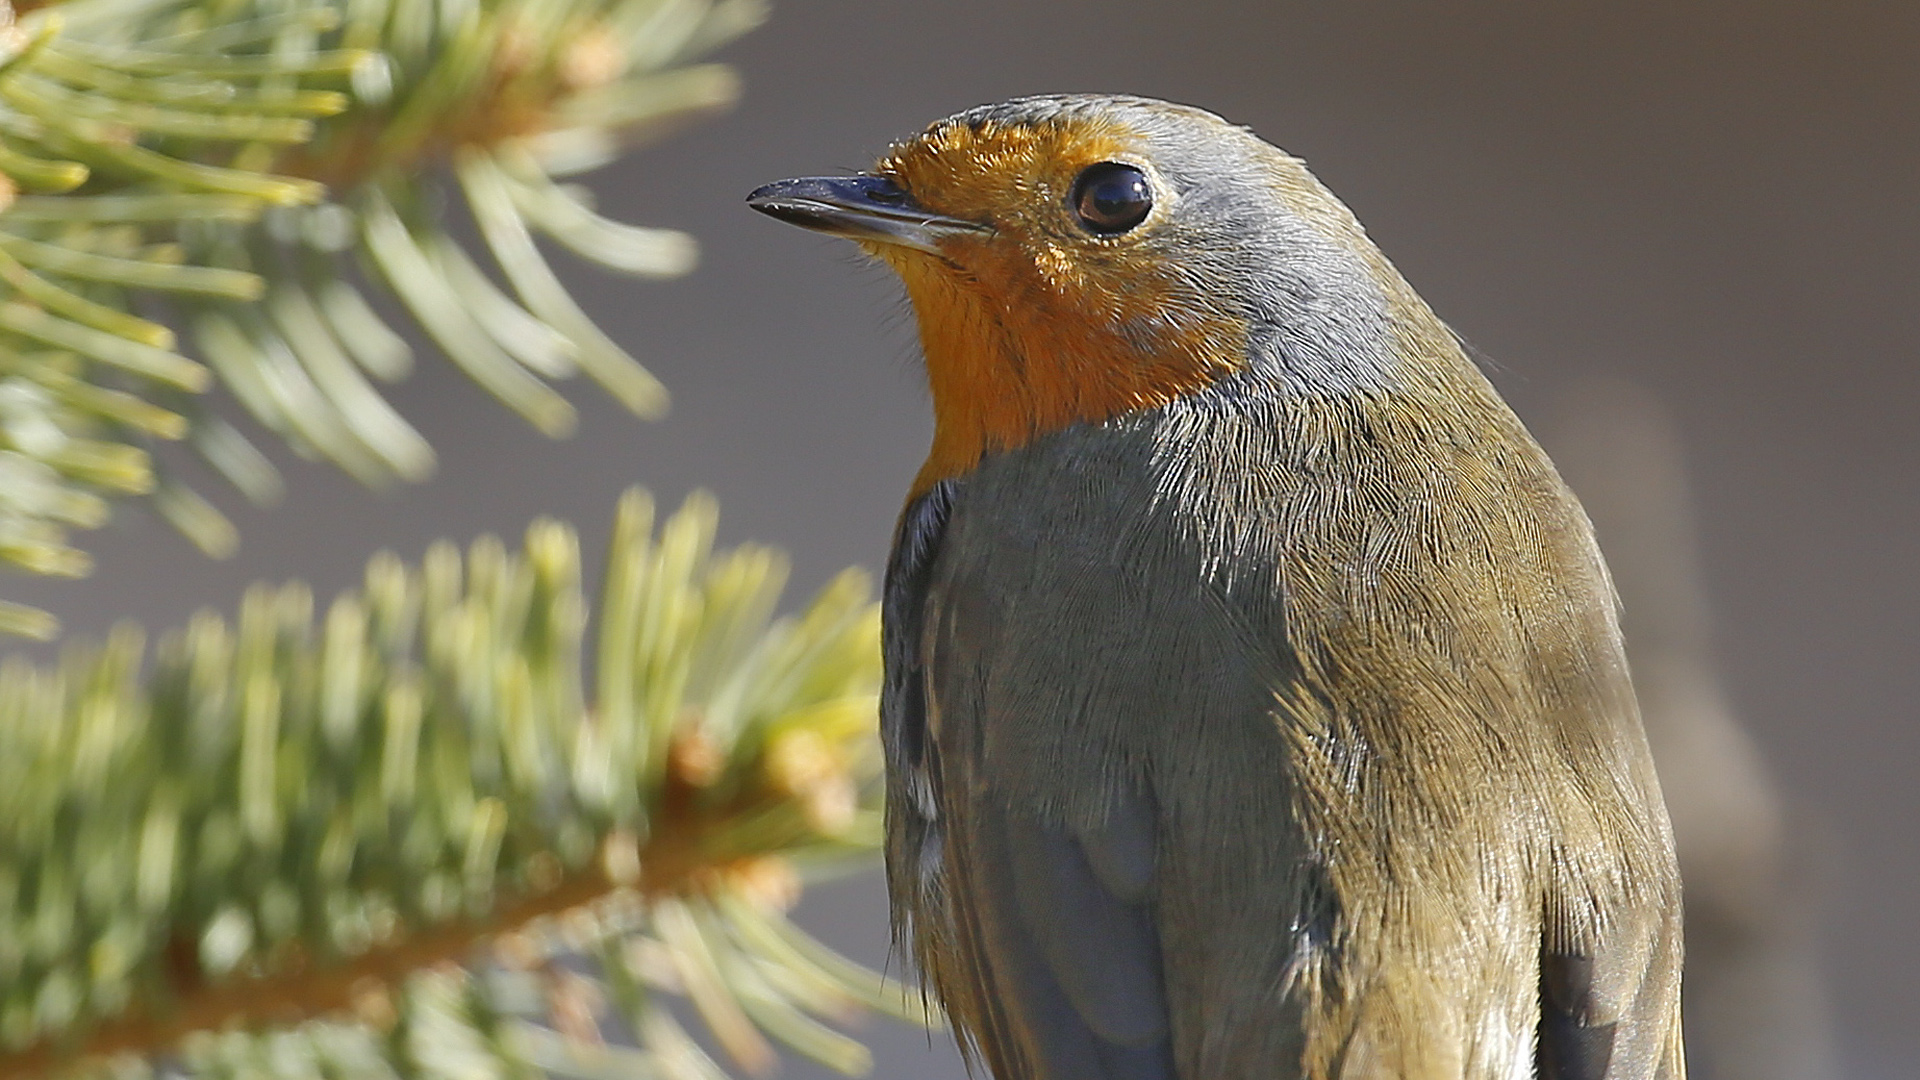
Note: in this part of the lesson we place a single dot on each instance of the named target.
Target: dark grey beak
(859, 208)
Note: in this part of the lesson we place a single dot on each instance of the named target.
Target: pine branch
(400, 828)
(238, 176)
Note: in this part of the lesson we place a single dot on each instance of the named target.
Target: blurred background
(1697, 220)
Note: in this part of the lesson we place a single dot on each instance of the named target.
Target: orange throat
(1007, 369)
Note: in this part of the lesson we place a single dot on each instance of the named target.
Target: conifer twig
(298, 818)
(187, 197)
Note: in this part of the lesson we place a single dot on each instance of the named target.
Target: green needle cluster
(409, 834)
(202, 192)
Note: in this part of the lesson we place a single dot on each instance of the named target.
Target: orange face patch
(1041, 324)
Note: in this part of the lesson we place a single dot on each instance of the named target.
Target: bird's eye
(1110, 198)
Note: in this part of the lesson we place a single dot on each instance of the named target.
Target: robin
(1255, 703)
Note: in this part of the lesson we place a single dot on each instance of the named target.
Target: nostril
(886, 192)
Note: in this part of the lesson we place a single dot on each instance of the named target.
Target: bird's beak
(870, 208)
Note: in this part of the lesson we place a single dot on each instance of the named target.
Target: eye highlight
(1110, 198)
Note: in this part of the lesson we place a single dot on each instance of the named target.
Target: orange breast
(1014, 352)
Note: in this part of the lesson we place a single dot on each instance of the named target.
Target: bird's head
(1074, 258)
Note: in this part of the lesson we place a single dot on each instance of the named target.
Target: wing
(1039, 939)
(913, 826)
(1613, 1012)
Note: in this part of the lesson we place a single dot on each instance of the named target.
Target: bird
(1254, 699)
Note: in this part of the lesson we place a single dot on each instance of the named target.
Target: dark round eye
(1110, 198)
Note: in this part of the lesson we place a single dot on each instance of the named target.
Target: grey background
(1714, 199)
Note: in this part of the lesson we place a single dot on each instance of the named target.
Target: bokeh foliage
(450, 826)
(230, 192)
(412, 822)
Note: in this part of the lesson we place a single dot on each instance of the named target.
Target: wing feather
(1041, 942)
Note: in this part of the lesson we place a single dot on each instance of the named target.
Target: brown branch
(517, 96)
(676, 860)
